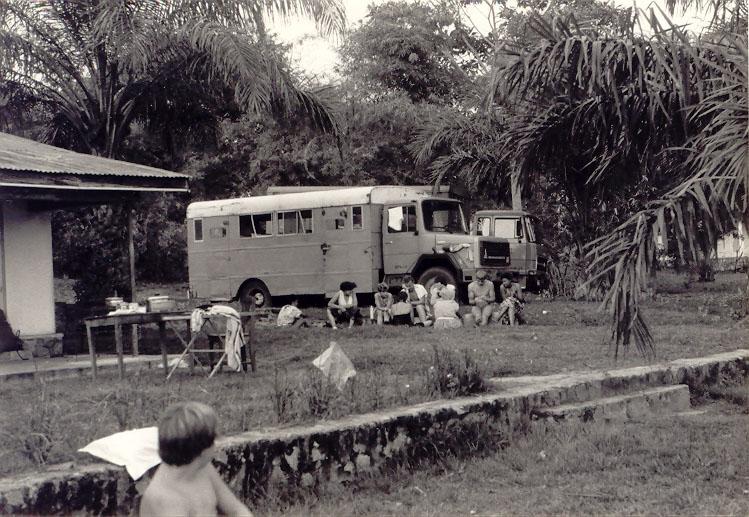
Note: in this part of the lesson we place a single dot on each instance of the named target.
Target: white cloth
(335, 365)
(137, 450)
(288, 315)
(234, 337)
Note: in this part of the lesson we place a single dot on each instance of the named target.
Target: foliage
(96, 67)
(422, 50)
(453, 375)
(664, 107)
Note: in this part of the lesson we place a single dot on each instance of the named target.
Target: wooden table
(162, 319)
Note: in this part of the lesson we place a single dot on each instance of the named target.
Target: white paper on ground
(137, 450)
(335, 365)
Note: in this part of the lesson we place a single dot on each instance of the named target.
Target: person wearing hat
(383, 304)
(481, 297)
(446, 309)
(344, 307)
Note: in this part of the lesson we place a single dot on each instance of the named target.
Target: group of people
(414, 305)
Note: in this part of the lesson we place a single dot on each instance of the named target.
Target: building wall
(729, 245)
(27, 251)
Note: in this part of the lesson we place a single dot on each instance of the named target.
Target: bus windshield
(443, 216)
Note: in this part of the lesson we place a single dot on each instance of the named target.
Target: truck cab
(527, 258)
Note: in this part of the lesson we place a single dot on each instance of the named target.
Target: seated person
(186, 483)
(417, 295)
(344, 307)
(291, 316)
(402, 310)
(481, 296)
(446, 310)
(510, 311)
(383, 303)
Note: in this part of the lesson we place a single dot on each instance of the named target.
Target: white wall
(728, 245)
(29, 288)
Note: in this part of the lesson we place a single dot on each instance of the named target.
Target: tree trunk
(516, 192)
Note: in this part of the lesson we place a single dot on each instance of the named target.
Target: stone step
(621, 407)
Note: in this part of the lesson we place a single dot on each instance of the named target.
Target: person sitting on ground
(417, 295)
(510, 311)
(481, 297)
(402, 310)
(446, 310)
(344, 307)
(291, 316)
(186, 483)
(383, 303)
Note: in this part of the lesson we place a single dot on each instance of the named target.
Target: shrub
(454, 375)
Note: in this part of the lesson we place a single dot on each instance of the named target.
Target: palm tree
(99, 65)
(667, 108)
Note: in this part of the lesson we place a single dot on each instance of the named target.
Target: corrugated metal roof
(22, 154)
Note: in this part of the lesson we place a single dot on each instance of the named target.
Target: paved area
(70, 366)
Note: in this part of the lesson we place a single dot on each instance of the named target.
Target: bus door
(341, 248)
(400, 247)
(216, 258)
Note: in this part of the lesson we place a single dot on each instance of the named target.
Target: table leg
(134, 338)
(91, 350)
(250, 346)
(162, 342)
(118, 347)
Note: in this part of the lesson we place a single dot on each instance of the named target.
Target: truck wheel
(437, 274)
(254, 294)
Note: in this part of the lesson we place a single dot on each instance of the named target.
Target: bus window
(288, 223)
(357, 218)
(402, 219)
(198, 230)
(306, 220)
(485, 226)
(505, 228)
(256, 225)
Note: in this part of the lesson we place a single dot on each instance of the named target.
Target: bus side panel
(376, 242)
(208, 260)
(287, 264)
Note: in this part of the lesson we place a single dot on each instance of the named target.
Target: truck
(528, 257)
(306, 242)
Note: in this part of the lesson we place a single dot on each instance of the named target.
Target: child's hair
(382, 287)
(403, 296)
(407, 279)
(185, 430)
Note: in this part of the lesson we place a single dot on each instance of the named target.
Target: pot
(160, 303)
(113, 302)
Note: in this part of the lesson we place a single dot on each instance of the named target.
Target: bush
(454, 375)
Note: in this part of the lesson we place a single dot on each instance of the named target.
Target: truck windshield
(443, 216)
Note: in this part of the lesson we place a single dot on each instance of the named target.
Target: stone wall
(253, 463)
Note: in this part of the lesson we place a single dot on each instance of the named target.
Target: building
(36, 179)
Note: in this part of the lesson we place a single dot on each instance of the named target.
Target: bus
(306, 242)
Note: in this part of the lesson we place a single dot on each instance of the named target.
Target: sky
(317, 55)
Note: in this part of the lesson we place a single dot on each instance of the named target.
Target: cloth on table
(137, 450)
(234, 337)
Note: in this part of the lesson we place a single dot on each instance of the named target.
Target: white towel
(234, 337)
(137, 450)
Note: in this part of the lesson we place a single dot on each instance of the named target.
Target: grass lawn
(46, 422)
(672, 465)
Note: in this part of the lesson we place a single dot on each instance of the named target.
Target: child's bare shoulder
(160, 499)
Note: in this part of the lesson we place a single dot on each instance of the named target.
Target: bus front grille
(495, 254)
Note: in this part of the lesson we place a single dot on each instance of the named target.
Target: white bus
(308, 242)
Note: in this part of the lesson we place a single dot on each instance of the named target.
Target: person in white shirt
(344, 307)
(291, 316)
(417, 295)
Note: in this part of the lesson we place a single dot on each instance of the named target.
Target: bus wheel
(437, 274)
(254, 294)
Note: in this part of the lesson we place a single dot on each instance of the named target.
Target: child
(186, 482)
(383, 304)
(402, 310)
(344, 306)
(291, 316)
(446, 309)
(417, 295)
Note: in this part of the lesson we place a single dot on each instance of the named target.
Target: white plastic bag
(335, 365)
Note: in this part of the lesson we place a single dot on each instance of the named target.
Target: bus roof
(306, 200)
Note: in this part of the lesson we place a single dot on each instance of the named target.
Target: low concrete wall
(254, 462)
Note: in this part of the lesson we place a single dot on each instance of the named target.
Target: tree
(672, 107)
(422, 50)
(97, 66)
